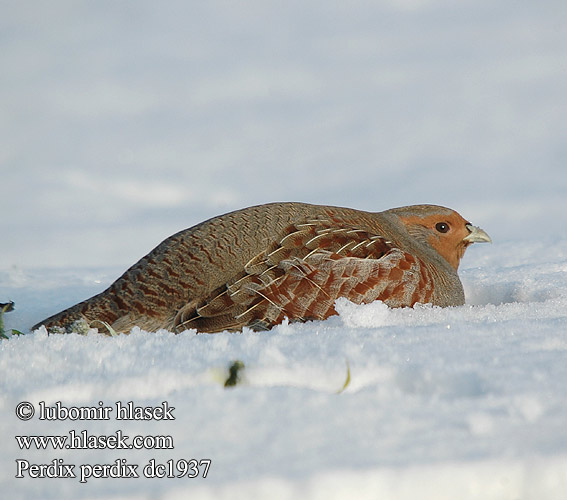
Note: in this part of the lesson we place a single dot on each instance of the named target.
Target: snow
(466, 402)
(124, 122)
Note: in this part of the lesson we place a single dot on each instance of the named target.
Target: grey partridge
(257, 266)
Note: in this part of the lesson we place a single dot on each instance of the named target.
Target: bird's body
(256, 266)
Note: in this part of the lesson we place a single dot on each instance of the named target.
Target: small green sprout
(234, 373)
(4, 308)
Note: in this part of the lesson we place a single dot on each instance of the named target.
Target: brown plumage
(256, 266)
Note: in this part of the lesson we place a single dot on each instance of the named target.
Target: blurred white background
(124, 122)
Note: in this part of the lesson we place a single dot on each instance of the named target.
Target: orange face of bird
(446, 231)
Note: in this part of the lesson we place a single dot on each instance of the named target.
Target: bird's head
(442, 228)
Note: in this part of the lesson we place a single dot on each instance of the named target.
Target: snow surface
(466, 402)
(123, 122)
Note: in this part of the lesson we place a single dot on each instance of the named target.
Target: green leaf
(4, 308)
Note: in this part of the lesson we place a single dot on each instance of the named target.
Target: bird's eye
(442, 227)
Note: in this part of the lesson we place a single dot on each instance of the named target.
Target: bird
(258, 266)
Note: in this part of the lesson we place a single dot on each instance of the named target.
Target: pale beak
(477, 235)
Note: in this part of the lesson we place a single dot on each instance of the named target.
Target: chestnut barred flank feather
(257, 266)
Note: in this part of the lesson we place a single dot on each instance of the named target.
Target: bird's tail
(80, 317)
